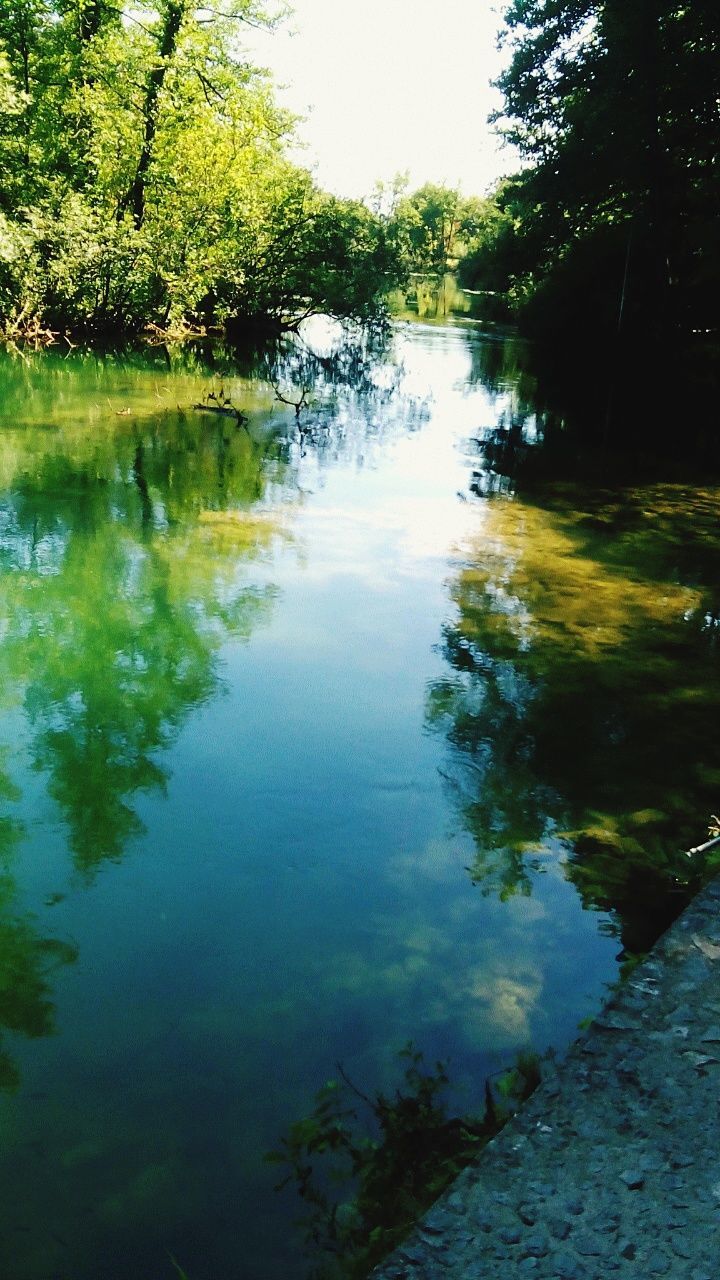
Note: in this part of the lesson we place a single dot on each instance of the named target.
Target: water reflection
(127, 526)
(584, 694)
(27, 962)
(121, 577)
(113, 603)
(216, 644)
(135, 530)
(584, 411)
(27, 958)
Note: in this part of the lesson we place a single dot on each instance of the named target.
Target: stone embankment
(612, 1169)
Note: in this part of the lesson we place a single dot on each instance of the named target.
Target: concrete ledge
(612, 1169)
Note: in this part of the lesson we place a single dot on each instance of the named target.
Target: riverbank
(611, 1167)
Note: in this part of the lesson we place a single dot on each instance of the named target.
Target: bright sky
(391, 85)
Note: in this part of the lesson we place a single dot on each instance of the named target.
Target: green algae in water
(586, 691)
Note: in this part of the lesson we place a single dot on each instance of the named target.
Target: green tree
(614, 107)
(148, 180)
(433, 225)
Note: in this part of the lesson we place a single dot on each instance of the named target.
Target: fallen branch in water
(226, 410)
(701, 848)
(221, 404)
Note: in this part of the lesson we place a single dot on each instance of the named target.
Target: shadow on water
(627, 414)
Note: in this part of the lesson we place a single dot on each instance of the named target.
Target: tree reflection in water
(27, 959)
(120, 580)
(124, 540)
(121, 573)
(565, 713)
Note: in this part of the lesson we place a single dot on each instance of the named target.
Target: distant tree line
(432, 229)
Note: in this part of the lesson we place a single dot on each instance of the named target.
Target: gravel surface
(612, 1169)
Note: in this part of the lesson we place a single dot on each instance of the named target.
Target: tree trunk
(134, 198)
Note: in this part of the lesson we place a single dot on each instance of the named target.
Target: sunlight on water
(307, 750)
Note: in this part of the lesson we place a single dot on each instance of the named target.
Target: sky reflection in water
(293, 772)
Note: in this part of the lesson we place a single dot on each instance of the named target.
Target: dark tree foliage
(615, 107)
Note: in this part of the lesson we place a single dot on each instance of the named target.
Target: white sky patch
(391, 86)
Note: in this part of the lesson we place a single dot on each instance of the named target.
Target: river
(316, 737)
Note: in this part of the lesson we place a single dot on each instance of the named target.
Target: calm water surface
(307, 748)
